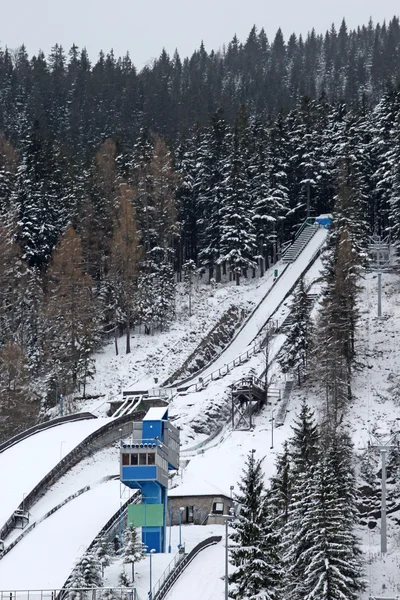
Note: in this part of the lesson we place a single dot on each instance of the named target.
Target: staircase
(299, 243)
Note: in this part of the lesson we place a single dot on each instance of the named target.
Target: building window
(125, 459)
(142, 459)
(218, 508)
(151, 459)
(134, 459)
(189, 514)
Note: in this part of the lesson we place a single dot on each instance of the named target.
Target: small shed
(202, 505)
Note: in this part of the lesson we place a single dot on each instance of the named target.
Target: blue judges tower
(145, 462)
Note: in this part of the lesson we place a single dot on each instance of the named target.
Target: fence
(66, 594)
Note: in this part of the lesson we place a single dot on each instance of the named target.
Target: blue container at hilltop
(324, 220)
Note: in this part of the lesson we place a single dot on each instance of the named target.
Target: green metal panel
(146, 515)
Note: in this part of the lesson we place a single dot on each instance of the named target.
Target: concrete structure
(146, 458)
(199, 507)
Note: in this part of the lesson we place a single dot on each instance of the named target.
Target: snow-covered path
(22, 466)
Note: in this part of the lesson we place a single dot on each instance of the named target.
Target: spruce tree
(332, 563)
(254, 553)
(296, 348)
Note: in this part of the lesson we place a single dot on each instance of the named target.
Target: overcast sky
(144, 27)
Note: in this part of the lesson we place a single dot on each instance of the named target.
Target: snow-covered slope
(23, 465)
(376, 405)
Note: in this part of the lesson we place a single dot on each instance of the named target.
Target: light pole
(151, 582)
(227, 519)
(170, 526)
(272, 428)
(231, 499)
(180, 526)
(120, 527)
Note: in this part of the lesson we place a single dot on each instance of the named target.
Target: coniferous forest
(115, 184)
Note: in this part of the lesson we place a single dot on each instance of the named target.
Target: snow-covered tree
(254, 553)
(296, 349)
(238, 239)
(279, 494)
(103, 554)
(304, 441)
(133, 548)
(332, 565)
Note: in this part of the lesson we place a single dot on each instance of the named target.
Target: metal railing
(179, 556)
(181, 566)
(120, 593)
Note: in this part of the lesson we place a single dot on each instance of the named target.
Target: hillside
(375, 409)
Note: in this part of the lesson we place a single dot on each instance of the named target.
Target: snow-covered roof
(200, 487)
(156, 413)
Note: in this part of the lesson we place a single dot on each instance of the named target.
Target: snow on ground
(204, 577)
(23, 465)
(375, 406)
(61, 539)
(211, 563)
(160, 355)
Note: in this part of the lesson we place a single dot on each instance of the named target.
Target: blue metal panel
(152, 430)
(139, 473)
(152, 539)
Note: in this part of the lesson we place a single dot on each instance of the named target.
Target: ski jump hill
(60, 479)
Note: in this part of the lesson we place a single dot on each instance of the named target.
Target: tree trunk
(128, 334)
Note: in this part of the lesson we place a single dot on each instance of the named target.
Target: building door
(189, 514)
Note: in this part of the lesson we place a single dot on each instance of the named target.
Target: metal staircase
(302, 239)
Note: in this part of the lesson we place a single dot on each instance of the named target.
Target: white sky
(143, 27)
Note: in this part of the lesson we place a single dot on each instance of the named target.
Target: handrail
(167, 572)
(180, 384)
(177, 572)
(120, 593)
(232, 364)
(42, 426)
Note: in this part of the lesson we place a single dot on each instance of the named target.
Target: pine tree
(103, 554)
(296, 349)
(254, 555)
(279, 494)
(304, 452)
(304, 442)
(238, 240)
(133, 548)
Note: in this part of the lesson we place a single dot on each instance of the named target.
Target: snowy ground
(375, 406)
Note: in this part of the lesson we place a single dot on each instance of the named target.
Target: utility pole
(391, 443)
